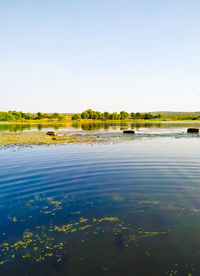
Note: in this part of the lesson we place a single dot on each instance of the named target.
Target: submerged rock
(52, 133)
(193, 130)
(129, 131)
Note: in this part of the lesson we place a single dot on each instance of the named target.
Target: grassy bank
(40, 138)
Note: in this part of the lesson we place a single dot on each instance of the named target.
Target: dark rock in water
(129, 131)
(52, 133)
(192, 130)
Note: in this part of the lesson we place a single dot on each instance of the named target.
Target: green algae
(176, 269)
(39, 245)
(51, 242)
(149, 202)
(195, 210)
(34, 246)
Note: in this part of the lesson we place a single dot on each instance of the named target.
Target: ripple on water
(152, 184)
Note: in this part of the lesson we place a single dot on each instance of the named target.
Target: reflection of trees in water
(57, 127)
(95, 126)
(148, 125)
(88, 126)
(14, 127)
(76, 125)
(23, 127)
(39, 126)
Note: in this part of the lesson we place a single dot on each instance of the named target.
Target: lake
(129, 206)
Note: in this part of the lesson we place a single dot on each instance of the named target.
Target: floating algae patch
(14, 219)
(39, 205)
(195, 210)
(42, 244)
(51, 243)
(36, 247)
(55, 203)
(177, 269)
(47, 205)
(77, 226)
(149, 202)
(108, 219)
(131, 234)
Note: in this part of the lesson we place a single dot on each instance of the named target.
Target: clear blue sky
(67, 56)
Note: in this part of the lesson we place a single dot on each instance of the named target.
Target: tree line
(22, 116)
(96, 115)
(123, 115)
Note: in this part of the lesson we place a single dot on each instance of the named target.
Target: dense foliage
(96, 115)
(21, 116)
(123, 115)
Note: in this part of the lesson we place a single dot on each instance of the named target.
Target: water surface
(125, 208)
(115, 126)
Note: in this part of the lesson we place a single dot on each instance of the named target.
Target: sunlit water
(130, 206)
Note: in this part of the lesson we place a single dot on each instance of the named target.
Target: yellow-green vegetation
(41, 244)
(195, 210)
(19, 116)
(40, 138)
(89, 114)
(175, 269)
(51, 242)
(149, 202)
(123, 115)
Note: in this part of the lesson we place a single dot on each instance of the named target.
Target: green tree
(55, 115)
(133, 115)
(39, 115)
(114, 116)
(148, 116)
(96, 115)
(84, 115)
(138, 115)
(124, 115)
(106, 115)
(76, 116)
(28, 116)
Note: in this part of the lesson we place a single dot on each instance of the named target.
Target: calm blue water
(128, 208)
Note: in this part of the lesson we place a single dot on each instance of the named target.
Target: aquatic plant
(42, 243)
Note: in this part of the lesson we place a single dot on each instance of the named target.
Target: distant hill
(178, 114)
